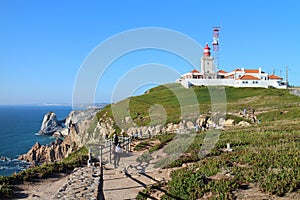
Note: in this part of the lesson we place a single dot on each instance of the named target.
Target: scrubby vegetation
(75, 159)
(163, 140)
(264, 156)
(266, 159)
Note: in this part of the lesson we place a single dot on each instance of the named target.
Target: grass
(268, 159)
(265, 154)
(163, 139)
(177, 102)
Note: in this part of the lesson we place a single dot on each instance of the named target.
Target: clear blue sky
(44, 43)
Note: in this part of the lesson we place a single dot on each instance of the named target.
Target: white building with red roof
(237, 78)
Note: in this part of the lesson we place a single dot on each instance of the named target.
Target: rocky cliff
(69, 132)
(85, 128)
(50, 124)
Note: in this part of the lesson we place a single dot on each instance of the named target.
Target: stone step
(83, 183)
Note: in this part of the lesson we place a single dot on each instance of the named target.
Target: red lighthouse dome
(206, 51)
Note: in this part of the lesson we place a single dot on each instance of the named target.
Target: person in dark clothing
(115, 140)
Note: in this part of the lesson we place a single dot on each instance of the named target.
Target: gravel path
(131, 177)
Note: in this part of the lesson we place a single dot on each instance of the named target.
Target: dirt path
(131, 177)
(43, 189)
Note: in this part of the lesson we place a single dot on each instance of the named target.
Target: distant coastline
(19, 123)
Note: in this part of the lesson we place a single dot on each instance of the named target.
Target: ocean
(18, 128)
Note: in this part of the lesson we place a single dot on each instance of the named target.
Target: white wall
(212, 82)
(230, 82)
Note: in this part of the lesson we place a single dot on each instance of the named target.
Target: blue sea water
(18, 128)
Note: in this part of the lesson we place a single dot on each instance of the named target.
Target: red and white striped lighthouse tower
(207, 64)
(206, 51)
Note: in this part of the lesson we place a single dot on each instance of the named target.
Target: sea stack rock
(50, 124)
(71, 135)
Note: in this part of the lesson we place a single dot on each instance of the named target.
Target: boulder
(243, 123)
(158, 129)
(190, 125)
(229, 122)
(127, 119)
(221, 121)
(57, 134)
(50, 124)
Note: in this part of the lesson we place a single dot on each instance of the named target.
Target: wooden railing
(107, 149)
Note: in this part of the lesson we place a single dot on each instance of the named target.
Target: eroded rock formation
(50, 124)
(55, 151)
(71, 137)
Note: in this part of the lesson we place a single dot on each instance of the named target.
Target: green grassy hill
(270, 104)
(265, 156)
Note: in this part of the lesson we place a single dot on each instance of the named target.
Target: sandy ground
(42, 189)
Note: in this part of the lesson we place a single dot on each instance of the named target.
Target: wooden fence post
(90, 157)
(127, 143)
(130, 144)
(100, 160)
(110, 152)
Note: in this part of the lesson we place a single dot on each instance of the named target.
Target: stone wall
(83, 183)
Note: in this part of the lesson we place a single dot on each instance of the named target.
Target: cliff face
(70, 136)
(50, 124)
(55, 151)
(84, 128)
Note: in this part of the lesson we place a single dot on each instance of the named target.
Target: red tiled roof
(248, 77)
(195, 71)
(274, 77)
(236, 70)
(222, 71)
(252, 71)
(229, 76)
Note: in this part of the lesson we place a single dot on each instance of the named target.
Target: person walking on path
(117, 155)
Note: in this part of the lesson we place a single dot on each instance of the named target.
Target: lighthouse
(207, 64)
(206, 51)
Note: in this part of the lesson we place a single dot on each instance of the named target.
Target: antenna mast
(286, 76)
(215, 44)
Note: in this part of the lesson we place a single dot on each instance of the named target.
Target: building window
(245, 82)
(255, 82)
